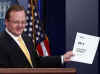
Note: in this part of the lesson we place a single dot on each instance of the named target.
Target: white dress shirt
(15, 38)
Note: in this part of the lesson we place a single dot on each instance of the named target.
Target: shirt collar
(13, 36)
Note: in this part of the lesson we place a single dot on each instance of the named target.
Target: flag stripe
(46, 43)
(39, 50)
(44, 49)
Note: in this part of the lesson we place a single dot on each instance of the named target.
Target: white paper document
(85, 47)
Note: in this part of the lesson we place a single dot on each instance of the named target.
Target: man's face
(16, 22)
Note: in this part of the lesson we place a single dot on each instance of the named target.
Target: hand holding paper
(85, 47)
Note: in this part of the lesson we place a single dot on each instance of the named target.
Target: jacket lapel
(14, 45)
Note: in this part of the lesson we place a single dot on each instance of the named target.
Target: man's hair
(13, 8)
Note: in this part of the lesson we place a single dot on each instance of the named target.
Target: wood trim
(37, 71)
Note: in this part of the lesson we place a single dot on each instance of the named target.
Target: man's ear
(6, 22)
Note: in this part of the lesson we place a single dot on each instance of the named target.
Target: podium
(37, 71)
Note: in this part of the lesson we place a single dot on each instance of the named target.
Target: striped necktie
(25, 50)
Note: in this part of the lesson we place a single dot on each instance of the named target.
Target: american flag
(34, 29)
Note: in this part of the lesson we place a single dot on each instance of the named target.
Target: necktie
(25, 50)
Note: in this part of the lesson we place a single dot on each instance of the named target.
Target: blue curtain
(4, 5)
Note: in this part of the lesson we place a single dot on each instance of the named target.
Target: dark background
(54, 19)
(63, 19)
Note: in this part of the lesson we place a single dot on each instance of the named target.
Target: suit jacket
(11, 55)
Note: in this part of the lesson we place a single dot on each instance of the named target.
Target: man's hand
(67, 56)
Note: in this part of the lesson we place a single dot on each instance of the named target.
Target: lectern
(37, 71)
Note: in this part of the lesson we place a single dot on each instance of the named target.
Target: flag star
(25, 29)
(37, 21)
(35, 14)
(29, 6)
(30, 29)
(29, 35)
(37, 38)
(30, 23)
(28, 12)
(38, 33)
(36, 26)
(31, 18)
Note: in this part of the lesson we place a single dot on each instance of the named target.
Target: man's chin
(18, 34)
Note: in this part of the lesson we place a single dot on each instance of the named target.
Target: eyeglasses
(18, 22)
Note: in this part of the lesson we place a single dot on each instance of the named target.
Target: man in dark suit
(12, 55)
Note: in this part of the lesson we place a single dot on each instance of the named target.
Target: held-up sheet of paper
(85, 47)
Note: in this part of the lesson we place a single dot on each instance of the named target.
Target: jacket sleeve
(50, 62)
